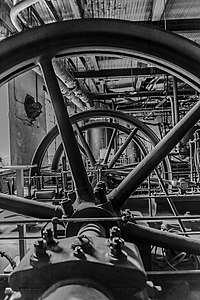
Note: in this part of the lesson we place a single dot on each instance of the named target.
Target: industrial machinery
(96, 244)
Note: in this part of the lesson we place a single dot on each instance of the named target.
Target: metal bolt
(100, 194)
(40, 255)
(102, 185)
(8, 291)
(83, 239)
(48, 236)
(116, 245)
(115, 232)
(40, 248)
(78, 252)
(51, 243)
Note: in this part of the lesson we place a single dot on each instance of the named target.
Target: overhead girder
(169, 52)
(152, 93)
(127, 72)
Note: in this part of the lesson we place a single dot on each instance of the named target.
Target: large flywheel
(41, 46)
(92, 251)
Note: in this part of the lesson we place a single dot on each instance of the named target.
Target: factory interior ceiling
(123, 79)
(118, 81)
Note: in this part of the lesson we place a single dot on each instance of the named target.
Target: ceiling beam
(156, 93)
(178, 25)
(127, 72)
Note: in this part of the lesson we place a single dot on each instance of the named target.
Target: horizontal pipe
(162, 239)
(29, 207)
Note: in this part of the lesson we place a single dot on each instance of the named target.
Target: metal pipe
(103, 219)
(172, 110)
(65, 90)
(16, 9)
(71, 88)
(70, 144)
(175, 94)
(162, 239)
(120, 194)
(170, 202)
(29, 207)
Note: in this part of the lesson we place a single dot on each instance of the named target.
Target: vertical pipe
(21, 227)
(172, 110)
(175, 94)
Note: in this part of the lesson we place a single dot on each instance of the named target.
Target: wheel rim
(177, 55)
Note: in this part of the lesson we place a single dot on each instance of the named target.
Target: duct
(72, 91)
(65, 91)
(16, 9)
(29, 207)
(70, 82)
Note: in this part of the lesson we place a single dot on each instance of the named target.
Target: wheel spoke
(122, 148)
(70, 145)
(85, 145)
(109, 146)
